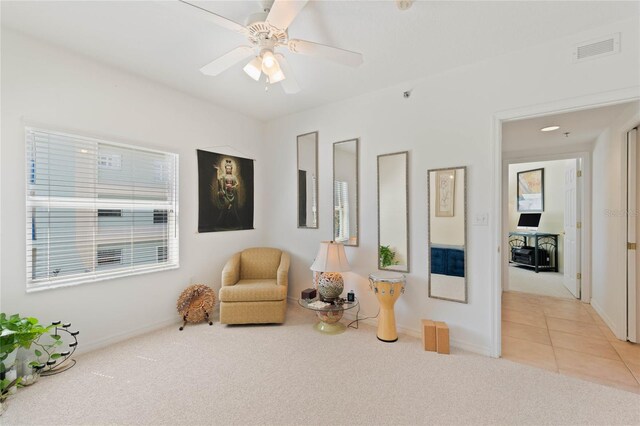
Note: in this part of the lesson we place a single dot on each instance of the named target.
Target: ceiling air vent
(603, 46)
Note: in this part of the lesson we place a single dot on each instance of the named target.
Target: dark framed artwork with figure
(225, 192)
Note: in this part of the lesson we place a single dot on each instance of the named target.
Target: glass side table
(329, 316)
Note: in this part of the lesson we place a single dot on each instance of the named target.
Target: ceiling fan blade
(219, 20)
(341, 56)
(289, 84)
(227, 60)
(283, 12)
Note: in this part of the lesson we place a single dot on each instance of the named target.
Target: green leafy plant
(386, 256)
(15, 332)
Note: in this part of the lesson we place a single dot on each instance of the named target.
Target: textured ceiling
(167, 42)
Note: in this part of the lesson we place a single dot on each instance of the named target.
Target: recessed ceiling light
(549, 128)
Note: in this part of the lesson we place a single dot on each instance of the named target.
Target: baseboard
(115, 338)
(606, 319)
(460, 344)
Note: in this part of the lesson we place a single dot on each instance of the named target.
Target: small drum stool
(387, 287)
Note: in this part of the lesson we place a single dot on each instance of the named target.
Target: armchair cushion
(253, 291)
(259, 263)
(231, 271)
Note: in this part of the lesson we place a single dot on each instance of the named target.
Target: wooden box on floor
(429, 335)
(442, 337)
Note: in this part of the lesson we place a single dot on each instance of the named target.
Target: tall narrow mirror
(308, 180)
(393, 212)
(345, 192)
(447, 192)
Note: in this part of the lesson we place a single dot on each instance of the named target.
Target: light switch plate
(481, 219)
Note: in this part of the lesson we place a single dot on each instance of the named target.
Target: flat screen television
(529, 220)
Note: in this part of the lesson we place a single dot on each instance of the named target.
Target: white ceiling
(583, 126)
(168, 43)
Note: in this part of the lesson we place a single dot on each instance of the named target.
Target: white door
(633, 257)
(571, 253)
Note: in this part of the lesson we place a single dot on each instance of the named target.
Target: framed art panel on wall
(225, 192)
(530, 190)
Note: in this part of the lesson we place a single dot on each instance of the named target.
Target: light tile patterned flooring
(568, 337)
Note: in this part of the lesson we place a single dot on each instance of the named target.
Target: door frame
(632, 333)
(584, 196)
(560, 106)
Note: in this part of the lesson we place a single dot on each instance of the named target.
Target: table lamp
(330, 261)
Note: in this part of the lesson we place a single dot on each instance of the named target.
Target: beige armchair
(254, 287)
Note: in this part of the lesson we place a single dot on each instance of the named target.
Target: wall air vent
(597, 48)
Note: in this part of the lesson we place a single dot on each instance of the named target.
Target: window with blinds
(341, 210)
(97, 209)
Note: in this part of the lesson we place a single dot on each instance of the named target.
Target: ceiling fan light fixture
(269, 63)
(276, 77)
(254, 68)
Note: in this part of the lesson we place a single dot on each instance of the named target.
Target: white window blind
(97, 209)
(341, 213)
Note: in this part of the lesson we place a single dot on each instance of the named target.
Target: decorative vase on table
(330, 261)
(330, 285)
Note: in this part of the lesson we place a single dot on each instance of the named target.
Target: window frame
(172, 243)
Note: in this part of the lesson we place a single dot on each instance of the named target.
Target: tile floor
(568, 337)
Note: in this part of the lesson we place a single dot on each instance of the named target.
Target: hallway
(568, 337)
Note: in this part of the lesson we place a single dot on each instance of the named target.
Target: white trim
(120, 337)
(460, 344)
(564, 105)
(631, 209)
(495, 304)
(85, 279)
(607, 320)
(621, 138)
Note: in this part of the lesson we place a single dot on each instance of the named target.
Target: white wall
(52, 87)
(446, 122)
(609, 221)
(552, 219)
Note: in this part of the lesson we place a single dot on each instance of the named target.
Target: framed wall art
(445, 192)
(225, 192)
(531, 191)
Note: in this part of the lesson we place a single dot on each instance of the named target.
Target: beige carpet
(542, 283)
(291, 374)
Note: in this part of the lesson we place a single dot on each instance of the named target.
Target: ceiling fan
(265, 32)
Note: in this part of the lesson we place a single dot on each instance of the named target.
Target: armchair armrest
(282, 277)
(231, 271)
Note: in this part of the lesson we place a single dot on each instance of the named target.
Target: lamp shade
(331, 258)
(254, 68)
(276, 77)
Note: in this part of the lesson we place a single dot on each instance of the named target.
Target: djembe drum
(387, 288)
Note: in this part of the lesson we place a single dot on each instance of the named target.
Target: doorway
(566, 334)
(544, 241)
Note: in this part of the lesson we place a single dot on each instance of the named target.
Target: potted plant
(387, 256)
(15, 333)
